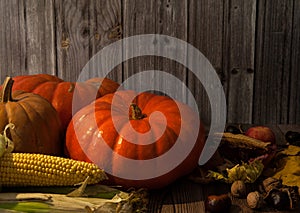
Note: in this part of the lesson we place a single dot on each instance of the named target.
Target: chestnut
(278, 199)
(233, 129)
(218, 203)
(293, 137)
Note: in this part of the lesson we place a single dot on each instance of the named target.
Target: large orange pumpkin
(60, 93)
(101, 132)
(37, 127)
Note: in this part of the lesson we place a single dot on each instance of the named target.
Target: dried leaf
(288, 170)
(290, 150)
(247, 172)
(80, 191)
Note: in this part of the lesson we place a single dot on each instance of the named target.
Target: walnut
(255, 200)
(238, 189)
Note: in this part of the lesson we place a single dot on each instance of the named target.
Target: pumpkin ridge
(154, 105)
(24, 81)
(112, 140)
(18, 106)
(97, 105)
(25, 106)
(141, 149)
(42, 87)
(104, 120)
(143, 103)
(115, 143)
(88, 112)
(168, 133)
(40, 113)
(135, 150)
(91, 139)
(100, 126)
(6, 121)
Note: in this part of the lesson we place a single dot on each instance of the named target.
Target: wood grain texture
(294, 89)
(291, 127)
(172, 21)
(240, 53)
(12, 43)
(205, 32)
(157, 17)
(27, 38)
(139, 18)
(83, 28)
(253, 46)
(272, 71)
(106, 28)
(40, 37)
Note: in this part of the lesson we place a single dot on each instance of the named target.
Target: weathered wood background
(254, 45)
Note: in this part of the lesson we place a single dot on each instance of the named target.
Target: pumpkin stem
(7, 90)
(135, 112)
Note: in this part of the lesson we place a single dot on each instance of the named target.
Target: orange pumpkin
(37, 127)
(107, 123)
(60, 93)
(105, 85)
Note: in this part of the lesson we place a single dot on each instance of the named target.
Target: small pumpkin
(86, 140)
(37, 127)
(60, 93)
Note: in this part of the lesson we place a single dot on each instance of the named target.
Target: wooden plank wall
(253, 46)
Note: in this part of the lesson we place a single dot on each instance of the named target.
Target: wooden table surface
(187, 196)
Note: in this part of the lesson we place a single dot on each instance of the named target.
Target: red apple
(262, 133)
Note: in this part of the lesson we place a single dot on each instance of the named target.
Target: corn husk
(241, 141)
(91, 199)
(98, 198)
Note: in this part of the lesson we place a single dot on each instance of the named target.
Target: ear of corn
(25, 169)
(242, 141)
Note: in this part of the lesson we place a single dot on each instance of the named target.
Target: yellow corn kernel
(15, 171)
